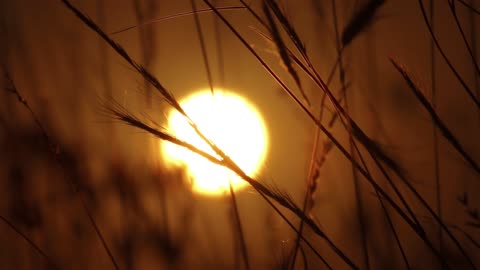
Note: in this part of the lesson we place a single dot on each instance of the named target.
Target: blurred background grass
(146, 213)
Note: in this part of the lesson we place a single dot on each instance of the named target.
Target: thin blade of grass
(357, 132)
(444, 56)
(120, 51)
(226, 161)
(450, 138)
(446, 133)
(453, 11)
(436, 157)
(120, 113)
(291, 32)
(202, 45)
(359, 203)
(53, 148)
(315, 77)
(375, 185)
(238, 223)
(360, 21)
(285, 22)
(416, 226)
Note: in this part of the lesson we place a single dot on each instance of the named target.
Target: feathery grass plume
(283, 51)
(238, 225)
(359, 203)
(444, 56)
(468, 236)
(357, 132)
(360, 21)
(149, 77)
(226, 161)
(387, 215)
(450, 138)
(414, 225)
(272, 4)
(30, 242)
(311, 188)
(294, 37)
(120, 113)
(376, 149)
(368, 178)
(55, 151)
(168, 97)
(314, 171)
(219, 50)
(287, 26)
(270, 40)
(436, 155)
(10, 87)
(447, 134)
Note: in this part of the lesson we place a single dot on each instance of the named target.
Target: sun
(233, 124)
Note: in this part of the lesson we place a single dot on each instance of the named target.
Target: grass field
(372, 110)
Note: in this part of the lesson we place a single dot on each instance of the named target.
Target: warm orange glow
(232, 124)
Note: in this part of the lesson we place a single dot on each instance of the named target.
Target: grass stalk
(226, 161)
(387, 216)
(239, 229)
(371, 143)
(202, 45)
(53, 148)
(449, 136)
(30, 242)
(470, 6)
(445, 131)
(274, 196)
(359, 203)
(375, 153)
(436, 158)
(444, 56)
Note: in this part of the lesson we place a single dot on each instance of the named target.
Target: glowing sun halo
(232, 124)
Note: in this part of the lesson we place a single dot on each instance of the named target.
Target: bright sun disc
(232, 124)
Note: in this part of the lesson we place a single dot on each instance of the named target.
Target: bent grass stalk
(356, 134)
(225, 160)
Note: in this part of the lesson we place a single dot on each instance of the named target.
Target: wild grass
(375, 172)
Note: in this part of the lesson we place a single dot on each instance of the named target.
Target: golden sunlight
(233, 124)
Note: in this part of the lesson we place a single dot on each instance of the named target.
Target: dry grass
(134, 234)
